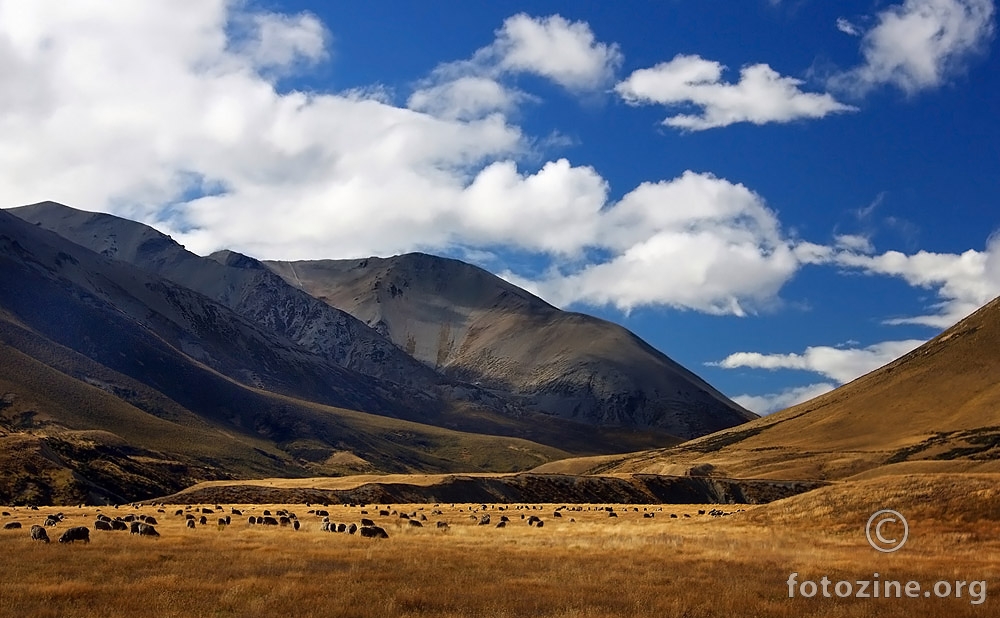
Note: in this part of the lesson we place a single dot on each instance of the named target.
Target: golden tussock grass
(594, 566)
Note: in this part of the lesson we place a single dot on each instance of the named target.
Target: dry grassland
(593, 566)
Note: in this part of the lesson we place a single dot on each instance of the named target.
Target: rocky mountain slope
(476, 327)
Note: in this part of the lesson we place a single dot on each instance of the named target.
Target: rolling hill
(936, 409)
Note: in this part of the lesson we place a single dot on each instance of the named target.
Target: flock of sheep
(145, 525)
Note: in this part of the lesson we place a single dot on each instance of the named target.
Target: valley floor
(584, 563)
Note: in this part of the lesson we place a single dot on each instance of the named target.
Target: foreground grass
(593, 566)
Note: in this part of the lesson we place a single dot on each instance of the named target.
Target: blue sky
(780, 195)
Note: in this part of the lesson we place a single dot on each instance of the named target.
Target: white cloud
(963, 282)
(760, 96)
(140, 110)
(920, 44)
(847, 27)
(466, 97)
(854, 242)
(835, 363)
(565, 52)
(773, 402)
(552, 47)
(695, 242)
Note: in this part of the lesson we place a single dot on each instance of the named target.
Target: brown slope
(474, 326)
(935, 409)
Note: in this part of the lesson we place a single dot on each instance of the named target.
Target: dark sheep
(179, 512)
(404, 516)
(284, 521)
(533, 520)
(104, 518)
(252, 520)
(341, 527)
(237, 512)
(374, 532)
(102, 525)
(38, 534)
(78, 533)
(5, 514)
(203, 521)
(383, 513)
(612, 514)
(267, 512)
(557, 514)
(352, 528)
(442, 524)
(502, 524)
(367, 522)
(151, 520)
(189, 517)
(12, 525)
(50, 522)
(540, 524)
(222, 522)
(295, 525)
(322, 513)
(484, 520)
(208, 511)
(133, 528)
(415, 523)
(147, 530)
(190, 524)
(228, 520)
(268, 521)
(648, 515)
(119, 525)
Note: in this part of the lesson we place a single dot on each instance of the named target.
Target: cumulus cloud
(963, 282)
(565, 52)
(920, 44)
(760, 96)
(170, 117)
(694, 242)
(552, 47)
(773, 402)
(836, 363)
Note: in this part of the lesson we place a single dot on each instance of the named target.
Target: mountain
(473, 326)
(513, 365)
(936, 409)
(112, 387)
(407, 388)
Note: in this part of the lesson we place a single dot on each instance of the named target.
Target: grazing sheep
(252, 520)
(557, 514)
(540, 524)
(268, 521)
(284, 521)
(203, 521)
(151, 520)
(367, 522)
(189, 517)
(612, 514)
(5, 514)
(341, 527)
(78, 533)
(103, 518)
(38, 534)
(295, 525)
(147, 530)
(208, 511)
(374, 532)
(50, 522)
(442, 524)
(321, 513)
(102, 525)
(179, 512)
(222, 522)
(415, 523)
(648, 515)
(484, 520)
(190, 524)
(119, 525)
(502, 524)
(12, 525)
(383, 513)
(237, 512)
(533, 520)
(404, 516)
(352, 528)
